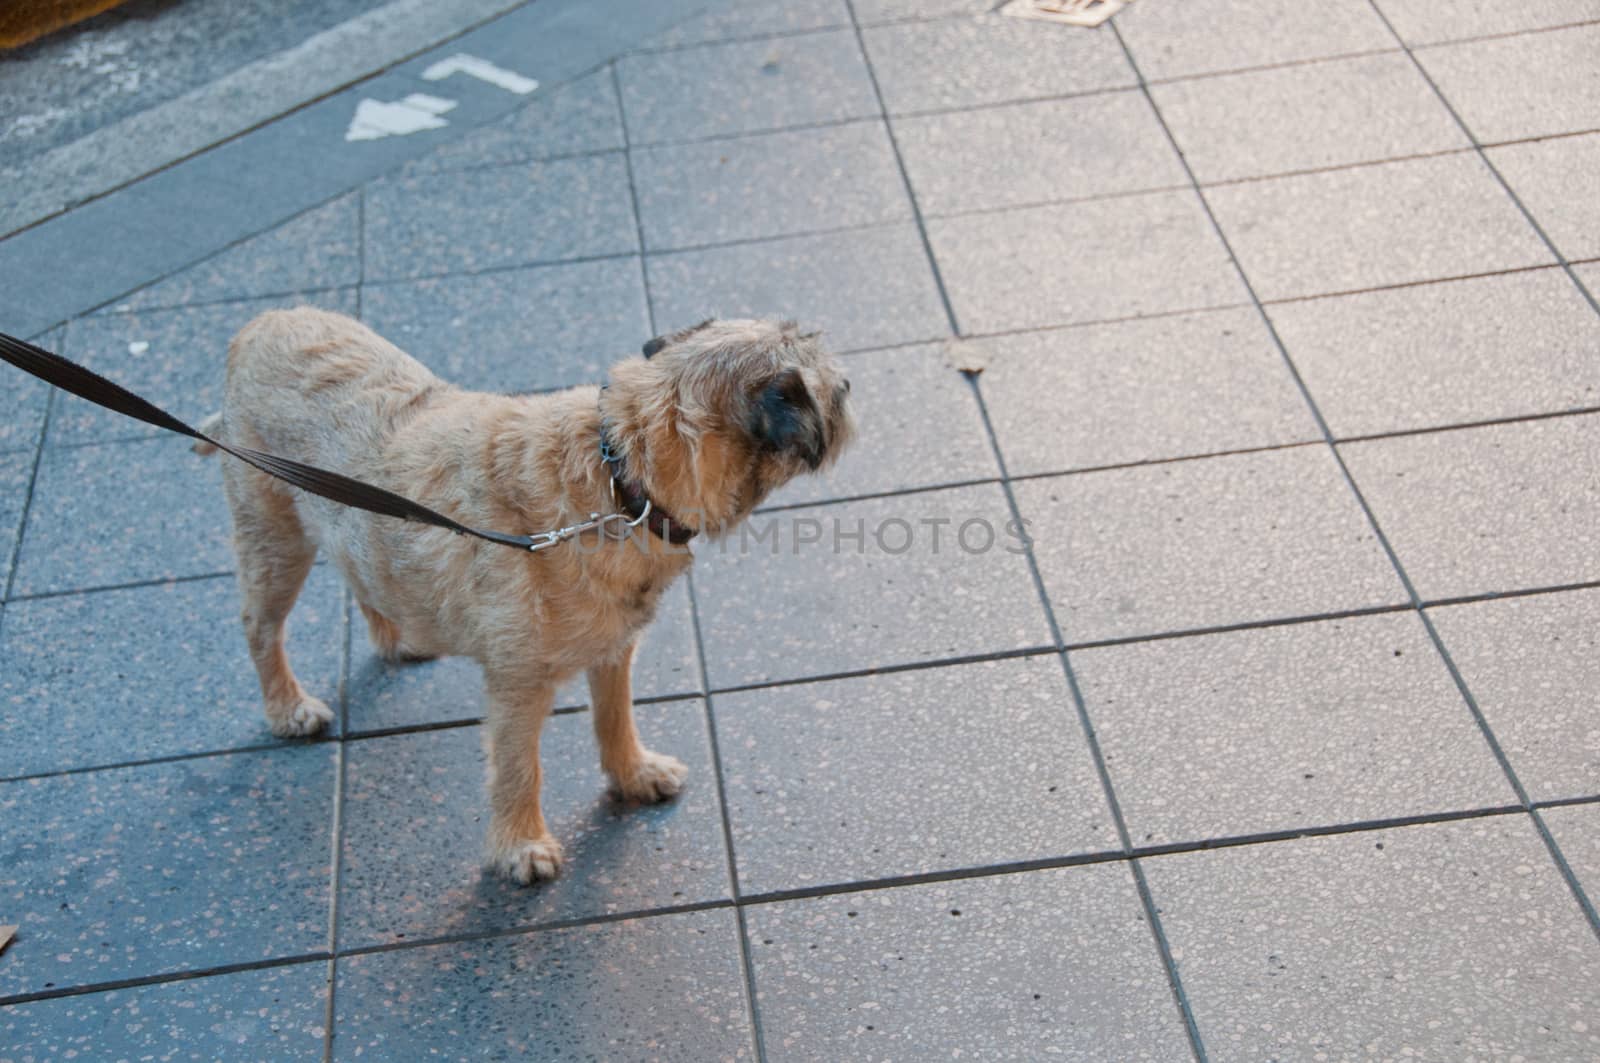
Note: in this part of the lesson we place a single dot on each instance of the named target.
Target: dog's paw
(308, 717)
(656, 777)
(527, 862)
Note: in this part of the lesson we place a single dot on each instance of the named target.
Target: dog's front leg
(637, 774)
(521, 847)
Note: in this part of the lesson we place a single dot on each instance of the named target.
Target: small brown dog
(702, 428)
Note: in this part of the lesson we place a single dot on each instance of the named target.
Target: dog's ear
(785, 419)
(657, 345)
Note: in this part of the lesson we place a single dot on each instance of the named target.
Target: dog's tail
(209, 426)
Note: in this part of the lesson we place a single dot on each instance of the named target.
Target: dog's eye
(653, 347)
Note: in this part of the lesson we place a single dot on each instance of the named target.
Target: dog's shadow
(426, 785)
(621, 857)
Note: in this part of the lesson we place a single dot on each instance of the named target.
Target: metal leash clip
(545, 540)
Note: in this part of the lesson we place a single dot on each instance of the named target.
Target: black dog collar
(635, 502)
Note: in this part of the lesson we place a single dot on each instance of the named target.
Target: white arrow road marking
(481, 69)
(375, 119)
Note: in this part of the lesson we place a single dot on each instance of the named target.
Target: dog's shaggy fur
(709, 422)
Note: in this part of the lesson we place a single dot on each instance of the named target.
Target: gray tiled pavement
(1369, 107)
(581, 314)
(1444, 940)
(1375, 226)
(1526, 85)
(429, 784)
(1430, 355)
(576, 118)
(1025, 154)
(872, 287)
(1054, 265)
(170, 356)
(319, 249)
(1541, 172)
(1280, 739)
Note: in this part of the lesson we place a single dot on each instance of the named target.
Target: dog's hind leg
(274, 555)
(637, 774)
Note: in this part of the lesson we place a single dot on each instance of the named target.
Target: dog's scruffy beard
(716, 417)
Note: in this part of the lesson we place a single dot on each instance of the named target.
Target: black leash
(87, 384)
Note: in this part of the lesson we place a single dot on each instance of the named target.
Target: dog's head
(715, 417)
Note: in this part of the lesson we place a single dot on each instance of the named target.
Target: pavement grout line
(226, 300)
(871, 496)
(1337, 167)
(1483, 156)
(361, 253)
(1015, 101)
(905, 175)
(1566, 802)
(358, 288)
(1091, 739)
(1059, 201)
(752, 1004)
(360, 192)
(1540, 139)
(172, 758)
(1050, 474)
(157, 979)
(746, 241)
(888, 669)
(1365, 826)
(749, 38)
(409, 172)
(1137, 853)
(1493, 596)
(1058, 326)
(633, 198)
(922, 489)
(1579, 894)
(570, 923)
(348, 736)
(158, 581)
(1244, 625)
(489, 271)
(475, 721)
(1488, 422)
(1504, 35)
(7, 597)
(1099, 856)
(100, 307)
(967, 16)
(752, 1000)
(1372, 519)
(1146, 463)
(1258, 68)
(330, 1015)
(763, 131)
(340, 767)
(1509, 271)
